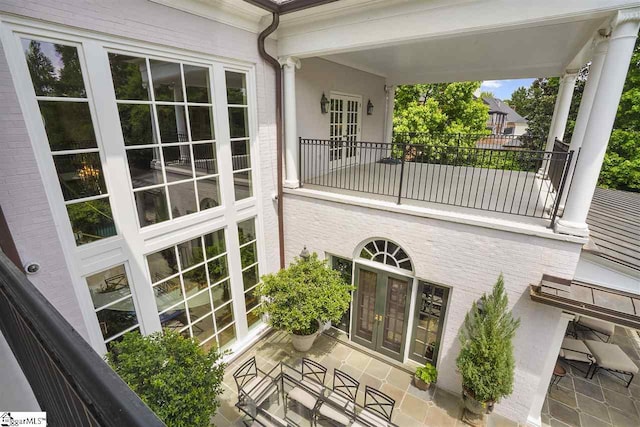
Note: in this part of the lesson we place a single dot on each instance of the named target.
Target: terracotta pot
(420, 385)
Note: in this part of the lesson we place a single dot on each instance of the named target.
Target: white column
(588, 96)
(291, 148)
(600, 123)
(388, 129)
(553, 344)
(561, 109)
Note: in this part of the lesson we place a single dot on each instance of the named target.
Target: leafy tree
(174, 376)
(486, 360)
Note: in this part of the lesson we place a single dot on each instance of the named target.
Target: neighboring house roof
(498, 106)
(614, 224)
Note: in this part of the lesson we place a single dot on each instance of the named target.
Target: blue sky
(502, 89)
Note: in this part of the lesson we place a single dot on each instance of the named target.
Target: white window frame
(343, 160)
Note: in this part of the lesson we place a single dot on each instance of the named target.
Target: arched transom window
(386, 252)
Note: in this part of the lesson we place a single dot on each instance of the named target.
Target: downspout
(276, 66)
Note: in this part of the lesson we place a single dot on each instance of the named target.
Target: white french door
(344, 129)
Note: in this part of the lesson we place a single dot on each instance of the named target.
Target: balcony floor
(501, 191)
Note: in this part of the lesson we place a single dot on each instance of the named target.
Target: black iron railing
(521, 182)
(70, 381)
(478, 140)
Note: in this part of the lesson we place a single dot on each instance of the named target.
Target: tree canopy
(439, 108)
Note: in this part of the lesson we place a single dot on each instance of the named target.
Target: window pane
(80, 175)
(242, 185)
(203, 329)
(175, 319)
(205, 158)
(240, 155)
(183, 199)
(214, 243)
(224, 316)
(137, 127)
(248, 255)
(68, 125)
(238, 122)
(162, 264)
(152, 206)
(195, 280)
(177, 162)
(221, 293)
(197, 83)
(227, 337)
(218, 269)
(130, 79)
(91, 220)
(250, 277)
(251, 299)
(54, 68)
(199, 305)
(247, 231)
(108, 286)
(167, 80)
(236, 88)
(208, 193)
(144, 167)
(253, 318)
(201, 121)
(172, 123)
(117, 318)
(190, 253)
(168, 293)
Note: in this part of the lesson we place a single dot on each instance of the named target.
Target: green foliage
(427, 373)
(486, 360)
(439, 108)
(306, 292)
(175, 377)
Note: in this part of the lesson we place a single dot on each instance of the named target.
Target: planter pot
(474, 406)
(420, 385)
(303, 342)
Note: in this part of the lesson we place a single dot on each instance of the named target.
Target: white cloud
(491, 84)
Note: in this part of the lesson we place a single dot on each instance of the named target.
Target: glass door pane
(427, 330)
(365, 305)
(395, 317)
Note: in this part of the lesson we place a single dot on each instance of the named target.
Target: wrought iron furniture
(252, 385)
(342, 398)
(311, 388)
(573, 351)
(378, 408)
(610, 357)
(599, 328)
(558, 374)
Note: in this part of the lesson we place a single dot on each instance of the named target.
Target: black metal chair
(308, 392)
(254, 384)
(378, 408)
(339, 405)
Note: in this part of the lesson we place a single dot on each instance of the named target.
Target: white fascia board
(236, 13)
(375, 24)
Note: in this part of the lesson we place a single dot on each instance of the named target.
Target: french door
(381, 311)
(344, 129)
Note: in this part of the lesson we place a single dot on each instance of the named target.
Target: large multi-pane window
(113, 302)
(192, 289)
(57, 77)
(239, 132)
(166, 116)
(345, 268)
(428, 323)
(250, 269)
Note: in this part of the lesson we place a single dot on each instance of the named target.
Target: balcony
(502, 174)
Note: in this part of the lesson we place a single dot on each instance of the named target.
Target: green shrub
(175, 377)
(427, 373)
(486, 360)
(296, 298)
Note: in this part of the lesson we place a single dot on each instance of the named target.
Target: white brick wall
(22, 195)
(464, 257)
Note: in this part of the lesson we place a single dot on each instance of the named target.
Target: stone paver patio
(601, 401)
(413, 407)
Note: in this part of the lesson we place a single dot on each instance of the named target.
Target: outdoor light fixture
(304, 254)
(369, 108)
(324, 104)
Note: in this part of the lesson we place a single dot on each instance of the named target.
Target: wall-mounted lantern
(324, 104)
(369, 108)
(304, 254)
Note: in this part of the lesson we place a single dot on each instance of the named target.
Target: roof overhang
(587, 299)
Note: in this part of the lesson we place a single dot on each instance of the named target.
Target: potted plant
(425, 376)
(486, 360)
(301, 297)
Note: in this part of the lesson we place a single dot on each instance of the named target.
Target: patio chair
(572, 351)
(601, 329)
(378, 408)
(308, 392)
(252, 385)
(343, 395)
(610, 357)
